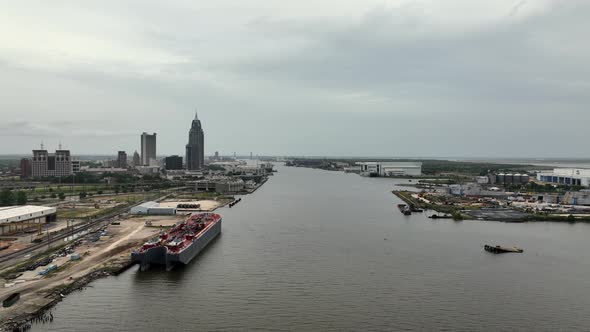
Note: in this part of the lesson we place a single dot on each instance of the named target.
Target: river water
(317, 250)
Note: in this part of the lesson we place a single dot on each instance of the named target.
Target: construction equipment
(566, 198)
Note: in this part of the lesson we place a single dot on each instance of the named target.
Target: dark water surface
(316, 250)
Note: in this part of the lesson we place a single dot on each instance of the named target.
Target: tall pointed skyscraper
(195, 149)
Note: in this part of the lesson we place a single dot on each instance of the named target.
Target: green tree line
(8, 198)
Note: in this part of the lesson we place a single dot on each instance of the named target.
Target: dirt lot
(116, 244)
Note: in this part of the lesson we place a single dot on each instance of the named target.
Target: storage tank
(516, 178)
(501, 178)
(493, 178)
(508, 178)
(524, 178)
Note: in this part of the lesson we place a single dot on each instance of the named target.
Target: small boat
(404, 209)
(501, 250)
(437, 216)
(12, 299)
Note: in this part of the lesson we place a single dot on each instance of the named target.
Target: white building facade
(566, 176)
(390, 169)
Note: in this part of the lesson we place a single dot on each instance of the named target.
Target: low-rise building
(566, 176)
(148, 170)
(482, 179)
(569, 198)
(20, 218)
(229, 186)
(469, 189)
(101, 170)
(220, 185)
(173, 163)
(390, 169)
(76, 166)
(152, 208)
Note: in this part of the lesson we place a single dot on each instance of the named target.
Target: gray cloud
(372, 78)
(395, 56)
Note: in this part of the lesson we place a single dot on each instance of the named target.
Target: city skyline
(371, 78)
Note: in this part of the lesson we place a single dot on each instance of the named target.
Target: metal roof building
(152, 208)
(566, 176)
(16, 218)
(390, 168)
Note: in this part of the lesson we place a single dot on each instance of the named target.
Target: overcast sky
(465, 78)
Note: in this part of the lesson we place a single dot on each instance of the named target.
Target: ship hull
(161, 256)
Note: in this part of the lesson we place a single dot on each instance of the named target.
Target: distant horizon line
(247, 156)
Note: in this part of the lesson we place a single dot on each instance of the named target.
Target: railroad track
(90, 224)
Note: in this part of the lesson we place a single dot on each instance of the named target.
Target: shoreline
(97, 260)
(461, 214)
(45, 299)
(43, 314)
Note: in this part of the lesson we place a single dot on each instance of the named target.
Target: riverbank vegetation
(430, 167)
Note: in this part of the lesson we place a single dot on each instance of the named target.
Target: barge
(180, 244)
(501, 250)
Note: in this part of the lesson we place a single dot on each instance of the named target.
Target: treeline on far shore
(430, 167)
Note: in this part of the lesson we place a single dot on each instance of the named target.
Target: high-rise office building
(122, 159)
(195, 149)
(148, 149)
(26, 168)
(136, 159)
(45, 164)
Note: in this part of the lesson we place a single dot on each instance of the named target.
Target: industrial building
(388, 169)
(509, 179)
(152, 208)
(568, 198)
(23, 218)
(566, 176)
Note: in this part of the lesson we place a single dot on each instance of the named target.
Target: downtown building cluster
(194, 157)
(62, 164)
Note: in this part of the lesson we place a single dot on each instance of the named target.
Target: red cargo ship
(181, 243)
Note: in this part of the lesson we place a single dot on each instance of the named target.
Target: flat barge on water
(180, 244)
(501, 250)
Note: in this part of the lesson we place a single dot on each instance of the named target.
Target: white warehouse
(152, 208)
(388, 169)
(567, 176)
(14, 219)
